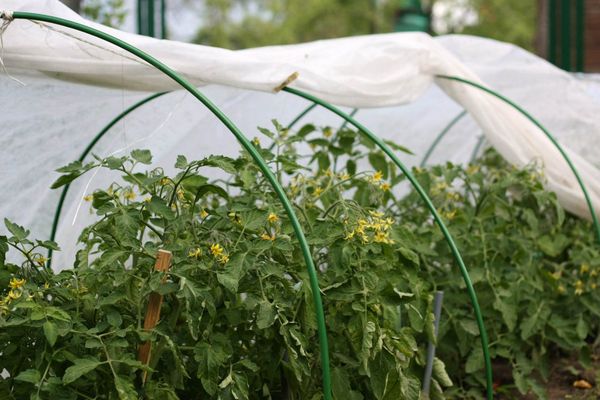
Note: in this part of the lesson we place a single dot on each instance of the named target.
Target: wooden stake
(163, 263)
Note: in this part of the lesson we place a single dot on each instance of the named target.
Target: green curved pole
(88, 149)
(301, 115)
(546, 132)
(463, 269)
(440, 136)
(477, 147)
(352, 114)
(246, 144)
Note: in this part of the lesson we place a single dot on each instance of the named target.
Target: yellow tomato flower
(164, 181)
(203, 213)
(216, 249)
(344, 177)
(256, 141)
(377, 176)
(14, 294)
(327, 132)
(196, 253)
(584, 268)
(41, 260)
(266, 236)
(318, 191)
(224, 259)
(16, 283)
(89, 197)
(385, 186)
(272, 218)
(579, 288)
(180, 194)
(129, 194)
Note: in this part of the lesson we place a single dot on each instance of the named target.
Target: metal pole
(440, 136)
(580, 35)
(565, 35)
(437, 311)
(163, 19)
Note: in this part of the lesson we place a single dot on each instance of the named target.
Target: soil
(560, 386)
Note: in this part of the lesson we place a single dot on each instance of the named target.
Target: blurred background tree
(245, 23)
(512, 21)
(238, 24)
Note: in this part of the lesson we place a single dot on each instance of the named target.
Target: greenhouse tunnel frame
(435, 143)
(348, 118)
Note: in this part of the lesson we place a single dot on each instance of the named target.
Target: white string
(60, 31)
(7, 17)
(126, 147)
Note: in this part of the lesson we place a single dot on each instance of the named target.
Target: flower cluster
(219, 254)
(16, 290)
(375, 228)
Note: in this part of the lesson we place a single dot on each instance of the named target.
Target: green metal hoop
(440, 136)
(545, 131)
(463, 269)
(247, 145)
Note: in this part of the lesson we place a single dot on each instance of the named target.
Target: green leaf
(142, 156)
(508, 311)
(582, 328)
(398, 147)
(377, 160)
(82, 366)
(17, 231)
(340, 386)
(231, 273)
(440, 374)
(474, 361)
(114, 162)
(266, 132)
(305, 130)
(75, 166)
(159, 207)
(29, 375)
(225, 163)
(50, 332)
(469, 326)
(533, 323)
(3, 250)
(266, 315)
(125, 389)
(114, 318)
(182, 162)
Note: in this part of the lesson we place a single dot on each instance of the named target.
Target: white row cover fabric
(391, 78)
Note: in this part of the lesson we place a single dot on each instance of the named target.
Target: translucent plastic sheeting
(49, 122)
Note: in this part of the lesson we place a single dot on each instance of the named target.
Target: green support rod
(463, 269)
(301, 115)
(477, 147)
(352, 114)
(440, 136)
(548, 135)
(246, 144)
(88, 149)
